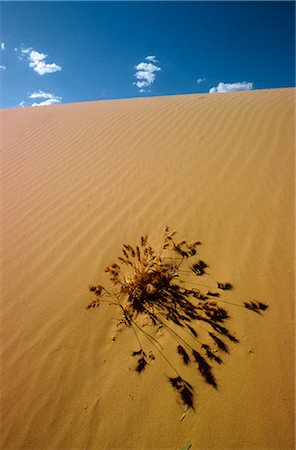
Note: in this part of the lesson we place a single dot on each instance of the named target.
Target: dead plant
(155, 285)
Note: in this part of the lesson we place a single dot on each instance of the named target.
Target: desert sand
(78, 181)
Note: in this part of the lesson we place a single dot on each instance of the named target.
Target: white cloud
(49, 99)
(41, 94)
(151, 58)
(145, 73)
(47, 102)
(22, 52)
(26, 50)
(200, 80)
(37, 61)
(35, 57)
(2, 47)
(232, 87)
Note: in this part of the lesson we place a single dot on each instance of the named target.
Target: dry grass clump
(148, 279)
(155, 285)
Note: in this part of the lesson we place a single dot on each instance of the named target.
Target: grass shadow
(154, 285)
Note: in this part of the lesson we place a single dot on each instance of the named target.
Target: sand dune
(81, 179)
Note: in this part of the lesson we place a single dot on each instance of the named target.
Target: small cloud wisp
(231, 87)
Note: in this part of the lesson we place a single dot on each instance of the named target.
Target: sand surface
(78, 180)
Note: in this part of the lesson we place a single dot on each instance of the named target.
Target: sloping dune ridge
(78, 181)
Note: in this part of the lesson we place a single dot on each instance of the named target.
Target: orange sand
(81, 179)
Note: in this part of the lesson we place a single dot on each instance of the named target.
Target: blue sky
(63, 52)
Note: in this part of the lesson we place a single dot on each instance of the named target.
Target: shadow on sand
(157, 289)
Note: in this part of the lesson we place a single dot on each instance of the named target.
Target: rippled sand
(81, 179)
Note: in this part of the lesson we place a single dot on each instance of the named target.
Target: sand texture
(78, 181)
